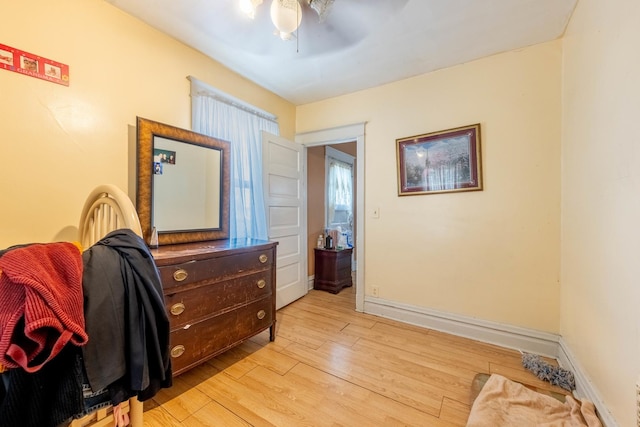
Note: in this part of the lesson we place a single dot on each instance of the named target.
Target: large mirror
(182, 184)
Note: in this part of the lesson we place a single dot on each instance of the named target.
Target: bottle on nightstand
(328, 242)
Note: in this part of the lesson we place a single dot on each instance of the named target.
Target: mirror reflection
(182, 184)
(179, 166)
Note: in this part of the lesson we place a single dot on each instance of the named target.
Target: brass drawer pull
(177, 351)
(263, 258)
(180, 275)
(261, 314)
(177, 309)
(262, 283)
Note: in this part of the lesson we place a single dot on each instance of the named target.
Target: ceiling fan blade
(347, 23)
(321, 7)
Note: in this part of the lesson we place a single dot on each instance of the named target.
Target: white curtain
(340, 194)
(222, 116)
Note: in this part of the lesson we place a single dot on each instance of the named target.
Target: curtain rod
(200, 88)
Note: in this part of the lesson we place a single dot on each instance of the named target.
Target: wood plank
(454, 412)
(366, 371)
(159, 417)
(455, 381)
(310, 333)
(419, 343)
(255, 404)
(181, 400)
(332, 366)
(214, 415)
(248, 355)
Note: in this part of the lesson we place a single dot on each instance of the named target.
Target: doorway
(330, 197)
(314, 143)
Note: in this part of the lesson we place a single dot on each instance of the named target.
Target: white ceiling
(361, 44)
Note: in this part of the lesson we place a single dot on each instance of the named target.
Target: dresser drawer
(207, 338)
(218, 268)
(197, 303)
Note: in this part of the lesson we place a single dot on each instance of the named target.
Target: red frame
(33, 65)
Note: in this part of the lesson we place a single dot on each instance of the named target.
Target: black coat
(125, 318)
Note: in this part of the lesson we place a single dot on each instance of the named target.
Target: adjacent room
(466, 158)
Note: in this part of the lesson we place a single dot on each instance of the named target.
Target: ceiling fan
(286, 15)
(318, 26)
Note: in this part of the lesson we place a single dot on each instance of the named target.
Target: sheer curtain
(339, 195)
(219, 115)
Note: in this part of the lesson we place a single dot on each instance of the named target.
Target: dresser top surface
(343, 250)
(207, 249)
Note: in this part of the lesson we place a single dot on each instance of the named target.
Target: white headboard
(106, 209)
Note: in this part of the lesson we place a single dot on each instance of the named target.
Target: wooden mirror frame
(146, 131)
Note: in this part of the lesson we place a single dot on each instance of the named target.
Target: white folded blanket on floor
(502, 402)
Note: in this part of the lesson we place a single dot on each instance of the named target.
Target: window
(339, 190)
(219, 115)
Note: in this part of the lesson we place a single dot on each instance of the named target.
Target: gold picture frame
(440, 162)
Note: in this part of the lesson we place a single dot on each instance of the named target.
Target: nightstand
(333, 269)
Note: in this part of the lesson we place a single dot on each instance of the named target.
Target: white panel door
(283, 177)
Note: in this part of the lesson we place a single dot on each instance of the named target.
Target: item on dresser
(332, 269)
(328, 242)
(218, 294)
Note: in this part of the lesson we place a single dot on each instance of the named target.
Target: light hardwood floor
(332, 366)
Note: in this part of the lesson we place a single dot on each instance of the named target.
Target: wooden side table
(333, 269)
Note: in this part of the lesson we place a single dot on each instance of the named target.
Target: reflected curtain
(222, 116)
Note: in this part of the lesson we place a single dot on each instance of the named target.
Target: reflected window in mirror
(179, 166)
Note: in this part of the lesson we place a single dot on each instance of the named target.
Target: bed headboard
(106, 209)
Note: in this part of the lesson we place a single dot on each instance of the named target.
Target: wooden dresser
(333, 269)
(218, 294)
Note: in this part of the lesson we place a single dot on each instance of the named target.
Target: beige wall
(59, 142)
(600, 198)
(492, 254)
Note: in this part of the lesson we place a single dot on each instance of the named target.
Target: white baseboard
(310, 280)
(584, 387)
(528, 340)
(523, 339)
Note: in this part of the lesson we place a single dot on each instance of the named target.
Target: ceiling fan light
(286, 15)
(248, 7)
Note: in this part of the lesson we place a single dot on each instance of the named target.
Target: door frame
(339, 135)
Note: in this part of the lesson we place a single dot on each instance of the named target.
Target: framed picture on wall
(440, 162)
